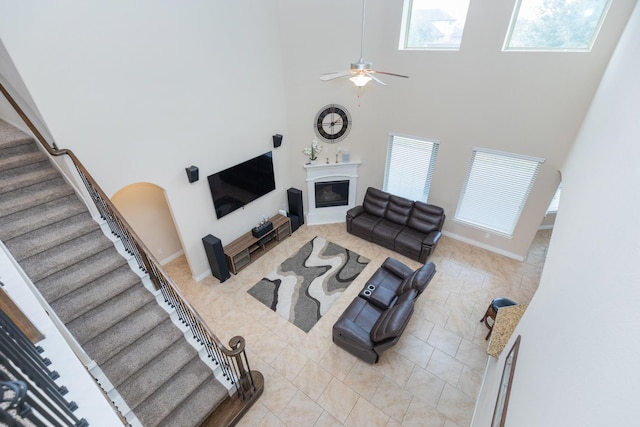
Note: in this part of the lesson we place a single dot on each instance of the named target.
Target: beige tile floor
(430, 378)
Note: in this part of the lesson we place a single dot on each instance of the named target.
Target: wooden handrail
(236, 373)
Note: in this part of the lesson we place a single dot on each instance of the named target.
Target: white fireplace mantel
(324, 172)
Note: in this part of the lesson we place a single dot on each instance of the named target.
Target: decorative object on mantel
(313, 151)
(305, 286)
(506, 321)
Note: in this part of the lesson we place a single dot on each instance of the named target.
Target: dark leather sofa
(407, 227)
(376, 318)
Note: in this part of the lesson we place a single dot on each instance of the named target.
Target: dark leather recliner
(410, 228)
(376, 318)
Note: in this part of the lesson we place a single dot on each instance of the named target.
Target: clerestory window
(433, 24)
(555, 25)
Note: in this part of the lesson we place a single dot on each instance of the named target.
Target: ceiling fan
(360, 72)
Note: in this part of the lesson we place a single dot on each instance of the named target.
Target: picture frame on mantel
(502, 402)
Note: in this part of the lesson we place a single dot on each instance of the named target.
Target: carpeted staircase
(92, 289)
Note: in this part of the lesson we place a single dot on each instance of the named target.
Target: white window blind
(496, 189)
(409, 168)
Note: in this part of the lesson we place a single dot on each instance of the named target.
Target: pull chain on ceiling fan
(360, 72)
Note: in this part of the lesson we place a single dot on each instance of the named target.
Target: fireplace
(332, 193)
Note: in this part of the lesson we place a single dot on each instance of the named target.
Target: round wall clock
(333, 123)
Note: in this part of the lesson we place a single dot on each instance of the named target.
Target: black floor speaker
(296, 211)
(295, 223)
(215, 255)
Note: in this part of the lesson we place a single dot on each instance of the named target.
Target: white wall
(12, 82)
(528, 103)
(141, 89)
(577, 364)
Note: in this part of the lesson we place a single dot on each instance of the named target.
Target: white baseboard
(201, 276)
(171, 257)
(483, 246)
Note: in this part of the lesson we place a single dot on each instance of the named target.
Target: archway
(145, 208)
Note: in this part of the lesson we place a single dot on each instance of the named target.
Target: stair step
(109, 314)
(89, 269)
(132, 328)
(22, 222)
(93, 294)
(10, 136)
(21, 144)
(126, 362)
(65, 255)
(20, 141)
(22, 177)
(196, 407)
(52, 235)
(155, 374)
(20, 155)
(165, 400)
(25, 198)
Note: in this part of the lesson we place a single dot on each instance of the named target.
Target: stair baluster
(26, 373)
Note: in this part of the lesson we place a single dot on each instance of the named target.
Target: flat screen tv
(241, 184)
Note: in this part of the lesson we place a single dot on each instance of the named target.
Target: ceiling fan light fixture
(360, 79)
(361, 72)
(361, 65)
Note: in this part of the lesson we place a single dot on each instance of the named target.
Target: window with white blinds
(496, 189)
(409, 168)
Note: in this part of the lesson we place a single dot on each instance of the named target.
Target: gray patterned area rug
(305, 286)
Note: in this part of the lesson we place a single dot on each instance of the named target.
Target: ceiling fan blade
(375, 79)
(334, 75)
(361, 71)
(390, 74)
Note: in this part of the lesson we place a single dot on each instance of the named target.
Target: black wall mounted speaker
(215, 255)
(192, 173)
(277, 140)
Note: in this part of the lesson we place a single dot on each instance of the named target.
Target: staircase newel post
(245, 380)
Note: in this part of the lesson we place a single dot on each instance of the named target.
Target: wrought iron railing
(28, 391)
(232, 361)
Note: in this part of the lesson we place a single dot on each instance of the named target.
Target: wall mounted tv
(241, 184)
